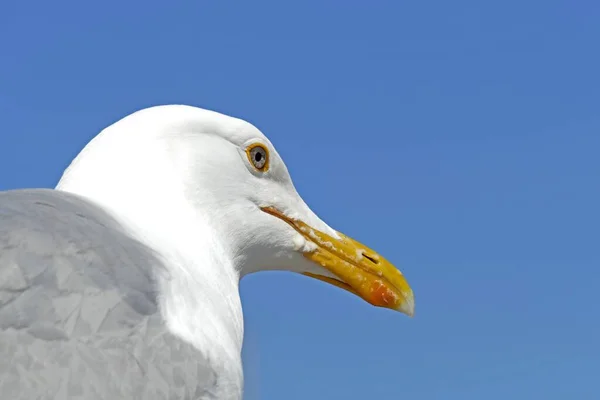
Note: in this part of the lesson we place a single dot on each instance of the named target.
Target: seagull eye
(258, 155)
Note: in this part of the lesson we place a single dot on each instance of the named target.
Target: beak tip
(407, 306)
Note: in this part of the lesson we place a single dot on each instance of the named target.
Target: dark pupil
(258, 156)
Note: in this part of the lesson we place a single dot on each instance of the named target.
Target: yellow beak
(360, 270)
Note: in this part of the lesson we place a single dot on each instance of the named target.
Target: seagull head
(228, 171)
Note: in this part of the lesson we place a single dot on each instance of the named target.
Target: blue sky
(459, 139)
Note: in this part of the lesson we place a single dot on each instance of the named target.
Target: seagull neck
(199, 287)
(131, 172)
(199, 292)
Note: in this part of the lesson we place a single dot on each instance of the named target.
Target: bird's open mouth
(360, 270)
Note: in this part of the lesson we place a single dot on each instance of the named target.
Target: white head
(174, 166)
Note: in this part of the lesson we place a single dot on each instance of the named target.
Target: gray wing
(79, 317)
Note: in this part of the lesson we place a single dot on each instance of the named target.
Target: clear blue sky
(459, 139)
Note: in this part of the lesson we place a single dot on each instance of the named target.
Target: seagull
(122, 282)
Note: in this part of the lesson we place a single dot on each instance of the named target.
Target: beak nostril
(370, 258)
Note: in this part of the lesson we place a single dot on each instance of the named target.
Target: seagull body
(123, 281)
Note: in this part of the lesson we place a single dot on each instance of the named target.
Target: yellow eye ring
(258, 155)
